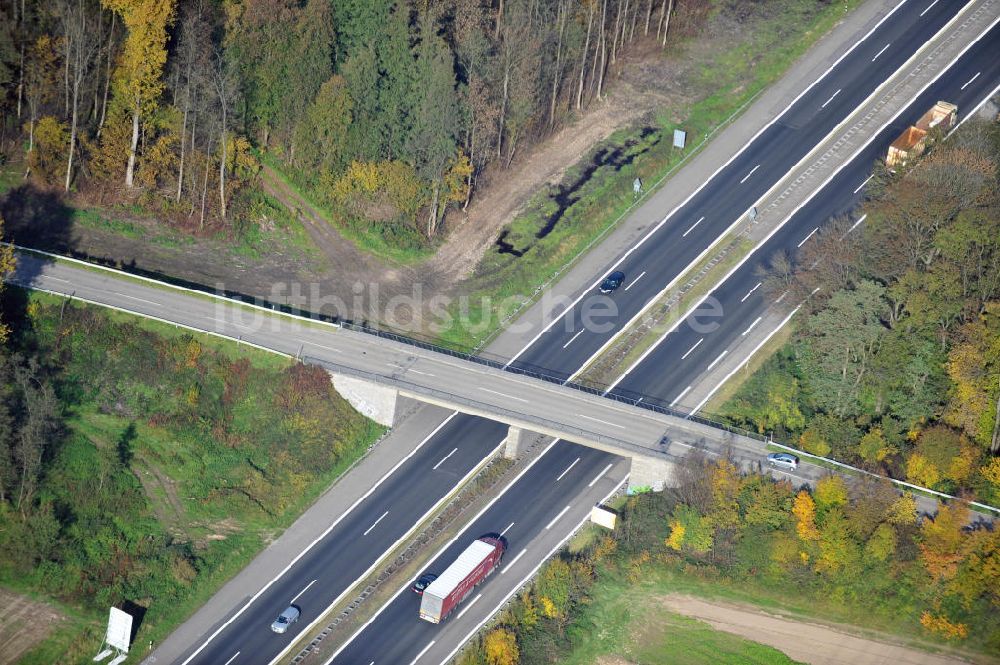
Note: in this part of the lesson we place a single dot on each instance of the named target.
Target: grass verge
(504, 284)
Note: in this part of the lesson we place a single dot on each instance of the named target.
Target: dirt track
(23, 624)
(800, 640)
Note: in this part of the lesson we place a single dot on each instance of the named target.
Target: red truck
(471, 567)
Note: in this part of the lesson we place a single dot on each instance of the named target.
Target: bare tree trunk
(668, 6)
(557, 76)
(130, 170)
(432, 221)
(621, 42)
(222, 165)
(72, 136)
(204, 186)
(583, 56)
(472, 161)
(20, 83)
(649, 13)
(635, 19)
(503, 106)
(180, 167)
(614, 35)
(496, 34)
(604, 50)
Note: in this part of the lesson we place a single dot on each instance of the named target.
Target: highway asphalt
(665, 374)
(569, 344)
(378, 522)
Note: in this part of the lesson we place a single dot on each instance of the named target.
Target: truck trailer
(471, 567)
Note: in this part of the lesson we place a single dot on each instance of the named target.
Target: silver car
(285, 619)
(783, 461)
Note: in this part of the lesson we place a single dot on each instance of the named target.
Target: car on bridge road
(423, 582)
(784, 461)
(285, 619)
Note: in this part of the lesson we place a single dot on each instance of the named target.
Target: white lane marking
(696, 344)
(504, 395)
(600, 475)
(434, 468)
(66, 281)
(974, 111)
(745, 361)
(125, 295)
(375, 523)
(881, 52)
(678, 398)
(858, 188)
(507, 529)
(633, 282)
(417, 371)
(556, 518)
(861, 219)
(440, 552)
(808, 236)
(567, 469)
(747, 176)
(467, 607)
(328, 348)
(531, 573)
(233, 658)
(292, 601)
(604, 422)
(425, 650)
(755, 322)
(509, 565)
(323, 535)
(928, 8)
(716, 361)
(572, 339)
(831, 98)
(744, 298)
(970, 81)
(781, 297)
(700, 220)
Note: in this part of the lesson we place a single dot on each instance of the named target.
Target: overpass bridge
(386, 377)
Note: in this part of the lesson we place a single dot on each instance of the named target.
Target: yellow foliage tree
(138, 79)
(882, 543)
(813, 442)
(873, 446)
(7, 264)
(830, 492)
(500, 647)
(940, 625)
(48, 159)
(941, 540)
(804, 509)
(991, 471)
(726, 482)
(921, 471)
(676, 537)
(903, 510)
(456, 178)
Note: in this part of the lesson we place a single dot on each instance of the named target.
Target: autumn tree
(138, 82)
(7, 264)
(500, 647)
(941, 541)
(974, 368)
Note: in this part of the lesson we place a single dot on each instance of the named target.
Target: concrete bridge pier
(651, 472)
(383, 404)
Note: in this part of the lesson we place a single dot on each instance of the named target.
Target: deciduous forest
(384, 111)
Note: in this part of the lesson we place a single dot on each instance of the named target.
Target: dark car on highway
(612, 281)
(423, 582)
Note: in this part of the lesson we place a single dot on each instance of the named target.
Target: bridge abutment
(383, 404)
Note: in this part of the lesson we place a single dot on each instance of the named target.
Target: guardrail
(641, 401)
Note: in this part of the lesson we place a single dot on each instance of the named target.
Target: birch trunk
(130, 170)
(669, 6)
(583, 57)
(558, 73)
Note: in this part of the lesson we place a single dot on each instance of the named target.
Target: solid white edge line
(531, 573)
(556, 518)
(729, 161)
(440, 551)
(572, 464)
(299, 594)
(514, 560)
(823, 185)
(430, 511)
(375, 524)
(468, 605)
(425, 650)
(745, 361)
